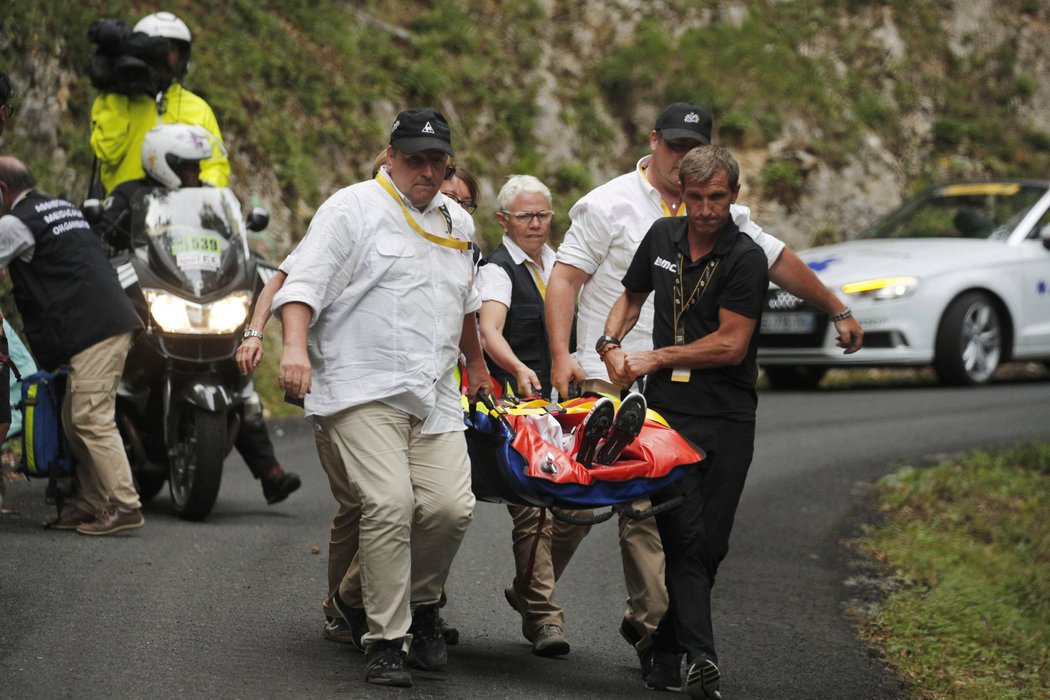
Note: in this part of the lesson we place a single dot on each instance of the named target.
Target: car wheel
(798, 378)
(969, 341)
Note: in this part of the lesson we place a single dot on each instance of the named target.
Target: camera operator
(121, 118)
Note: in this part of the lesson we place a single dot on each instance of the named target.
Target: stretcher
(517, 458)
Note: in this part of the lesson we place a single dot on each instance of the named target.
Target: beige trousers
(416, 504)
(543, 547)
(342, 542)
(642, 555)
(103, 473)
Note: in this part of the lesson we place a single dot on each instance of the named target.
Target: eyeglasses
(525, 217)
(450, 172)
(435, 159)
(468, 205)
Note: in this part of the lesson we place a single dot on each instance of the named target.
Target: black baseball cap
(420, 130)
(685, 121)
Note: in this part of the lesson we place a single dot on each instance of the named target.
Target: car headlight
(177, 315)
(882, 288)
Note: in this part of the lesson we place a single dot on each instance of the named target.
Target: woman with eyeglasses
(513, 283)
(461, 187)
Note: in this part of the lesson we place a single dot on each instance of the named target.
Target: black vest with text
(525, 329)
(68, 294)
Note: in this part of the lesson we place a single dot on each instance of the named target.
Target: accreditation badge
(678, 374)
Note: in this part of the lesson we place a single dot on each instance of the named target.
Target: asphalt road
(231, 607)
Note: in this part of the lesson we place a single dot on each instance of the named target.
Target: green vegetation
(968, 545)
(304, 90)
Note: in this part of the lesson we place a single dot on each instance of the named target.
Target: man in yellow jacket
(120, 122)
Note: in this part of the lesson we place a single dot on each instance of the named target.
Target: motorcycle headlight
(177, 315)
(883, 288)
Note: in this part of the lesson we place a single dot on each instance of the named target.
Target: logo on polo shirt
(692, 118)
(428, 129)
(665, 264)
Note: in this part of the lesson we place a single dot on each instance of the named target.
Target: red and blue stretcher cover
(512, 463)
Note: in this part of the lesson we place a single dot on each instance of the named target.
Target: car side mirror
(258, 219)
(92, 210)
(1045, 235)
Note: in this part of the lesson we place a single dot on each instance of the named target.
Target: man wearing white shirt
(378, 306)
(607, 225)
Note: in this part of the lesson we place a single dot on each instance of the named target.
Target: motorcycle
(181, 398)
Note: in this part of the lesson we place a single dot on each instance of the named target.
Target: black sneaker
(625, 428)
(353, 628)
(428, 650)
(385, 664)
(666, 672)
(448, 632)
(702, 679)
(278, 484)
(632, 636)
(594, 427)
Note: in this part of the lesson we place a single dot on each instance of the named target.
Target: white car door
(1033, 337)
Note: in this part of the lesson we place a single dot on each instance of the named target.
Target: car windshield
(972, 210)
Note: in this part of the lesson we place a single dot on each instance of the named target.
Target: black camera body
(128, 62)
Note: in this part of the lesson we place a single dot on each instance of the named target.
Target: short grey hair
(517, 185)
(704, 162)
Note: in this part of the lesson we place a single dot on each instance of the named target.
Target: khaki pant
(642, 555)
(103, 473)
(342, 542)
(543, 547)
(416, 504)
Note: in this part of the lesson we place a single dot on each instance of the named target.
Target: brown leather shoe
(71, 519)
(113, 520)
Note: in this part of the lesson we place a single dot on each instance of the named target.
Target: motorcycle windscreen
(195, 237)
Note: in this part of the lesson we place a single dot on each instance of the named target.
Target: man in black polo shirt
(709, 282)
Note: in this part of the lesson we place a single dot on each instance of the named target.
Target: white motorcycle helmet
(168, 26)
(164, 24)
(169, 148)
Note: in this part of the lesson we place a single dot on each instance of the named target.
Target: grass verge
(967, 544)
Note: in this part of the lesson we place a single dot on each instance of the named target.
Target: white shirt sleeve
(770, 245)
(587, 241)
(16, 240)
(494, 284)
(323, 260)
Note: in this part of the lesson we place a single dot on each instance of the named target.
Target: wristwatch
(252, 333)
(605, 340)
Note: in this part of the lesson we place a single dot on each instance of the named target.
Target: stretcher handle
(494, 408)
(565, 517)
(634, 514)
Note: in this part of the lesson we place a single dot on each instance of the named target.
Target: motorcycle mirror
(258, 219)
(92, 210)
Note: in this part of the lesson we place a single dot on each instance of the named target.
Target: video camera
(127, 62)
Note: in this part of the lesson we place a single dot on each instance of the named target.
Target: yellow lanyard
(538, 278)
(449, 242)
(663, 205)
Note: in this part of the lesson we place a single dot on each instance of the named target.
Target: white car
(957, 278)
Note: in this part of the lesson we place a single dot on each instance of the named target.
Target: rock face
(925, 72)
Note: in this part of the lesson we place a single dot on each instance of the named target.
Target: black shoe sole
(625, 428)
(595, 426)
(392, 682)
(702, 681)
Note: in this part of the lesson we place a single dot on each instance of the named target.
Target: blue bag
(45, 449)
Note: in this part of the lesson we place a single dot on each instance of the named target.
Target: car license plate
(796, 322)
